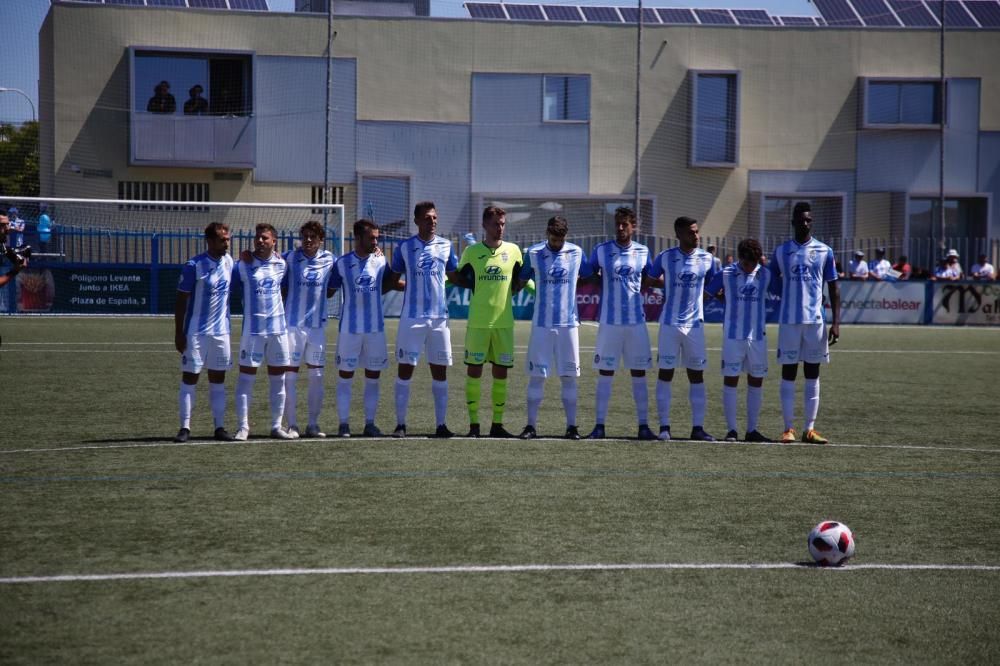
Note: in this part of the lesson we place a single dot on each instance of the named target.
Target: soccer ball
(831, 543)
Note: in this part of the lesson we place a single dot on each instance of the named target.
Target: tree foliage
(19, 160)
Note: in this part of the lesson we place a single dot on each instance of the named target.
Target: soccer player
(554, 347)
(265, 333)
(306, 289)
(425, 259)
(361, 343)
(491, 269)
(743, 287)
(685, 270)
(201, 328)
(622, 265)
(800, 267)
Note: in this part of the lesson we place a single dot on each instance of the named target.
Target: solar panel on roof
(562, 13)
(252, 5)
(837, 12)
(601, 14)
(715, 16)
(525, 12)
(130, 3)
(752, 17)
(875, 12)
(485, 10)
(797, 21)
(631, 15)
(166, 3)
(955, 15)
(208, 4)
(913, 14)
(987, 12)
(676, 15)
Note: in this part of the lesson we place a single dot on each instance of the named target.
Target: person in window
(857, 268)
(903, 268)
(196, 104)
(162, 101)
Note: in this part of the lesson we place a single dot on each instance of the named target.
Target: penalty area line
(485, 568)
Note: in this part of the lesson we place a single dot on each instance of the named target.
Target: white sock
(810, 400)
(344, 399)
(640, 393)
(755, 396)
(316, 391)
(291, 395)
(276, 391)
(663, 395)
(603, 396)
(787, 392)
(536, 389)
(244, 391)
(402, 399)
(185, 403)
(371, 399)
(569, 397)
(217, 399)
(440, 391)
(696, 394)
(730, 394)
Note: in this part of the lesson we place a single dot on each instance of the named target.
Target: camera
(18, 254)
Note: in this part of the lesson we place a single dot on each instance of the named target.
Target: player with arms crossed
(425, 259)
(554, 347)
(490, 269)
(743, 287)
(201, 328)
(265, 333)
(306, 290)
(685, 270)
(622, 266)
(800, 267)
(361, 342)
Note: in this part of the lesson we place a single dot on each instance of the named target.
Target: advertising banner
(873, 302)
(588, 302)
(84, 290)
(966, 303)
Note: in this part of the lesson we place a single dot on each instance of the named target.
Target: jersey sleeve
(398, 263)
(335, 281)
(187, 280)
(284, 278)
(653, 268)
(466, 258)
(452, 263)
(595, 265)
(714, 285)
(586, 268)
(775, 268)
(526, 272)
(712, 272)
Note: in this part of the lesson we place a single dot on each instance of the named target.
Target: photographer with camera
(16, 256)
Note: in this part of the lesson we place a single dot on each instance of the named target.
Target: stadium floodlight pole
(941, 112)
(638, 116)
(25, 95)
(327, 185)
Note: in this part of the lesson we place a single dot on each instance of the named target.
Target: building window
(715, 119)
(566, 99)
(776, 216)
(224, 79)
(147, 191)
(336, 196)
(895, 103)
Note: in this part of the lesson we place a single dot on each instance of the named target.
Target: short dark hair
(264, 226)
(493, 211)
(363, 225)
(624, 212)
(801, 208)
(558, 226)
(423, 207)
(213, 229)
(750, 249)
(684, 221)
(314, 227)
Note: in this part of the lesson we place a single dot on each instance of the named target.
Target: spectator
(44, 227)
(879, 267)
(716, 262)
(162, 101)
(983, 270)
(196, 104)
(950, 269)
(857, 269)
(16, 227)
(729, 260)
(902, 266)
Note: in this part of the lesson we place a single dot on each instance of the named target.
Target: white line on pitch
(485, 568)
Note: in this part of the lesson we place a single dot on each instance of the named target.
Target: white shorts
(560, 344)
(749, 356)
(361, 350)
(623, 344)
(802, 342)
(211, 352)
(431, 336)
(678, 345)
(255, 349)
(307, 345)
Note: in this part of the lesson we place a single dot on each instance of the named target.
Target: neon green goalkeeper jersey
(493, 272)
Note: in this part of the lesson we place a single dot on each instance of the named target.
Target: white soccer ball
(831, 543)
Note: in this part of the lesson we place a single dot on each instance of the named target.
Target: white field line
(484, 568)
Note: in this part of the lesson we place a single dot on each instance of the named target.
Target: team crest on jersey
(504, 257)
(812, 255)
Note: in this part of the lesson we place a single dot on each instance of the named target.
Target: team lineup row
(285, 318)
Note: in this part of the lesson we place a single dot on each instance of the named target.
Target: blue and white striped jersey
(424, 266)
(207, 282)
(621, 270)
(263, 311)
(555, 275)
(684, 277)
(305, 284)
(362, 283)
(798, 273)
(746, 300)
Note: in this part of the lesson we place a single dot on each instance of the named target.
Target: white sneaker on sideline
(281, 433)
(242, 434)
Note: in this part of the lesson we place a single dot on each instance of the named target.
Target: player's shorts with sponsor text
(489, 345)
(749, 356)
(623, 344)
(554, 351)
(255, 350)
(211, 352)
(803, 342)
(361, 350)
(681, 345)
(307, 345)
(424, 335)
